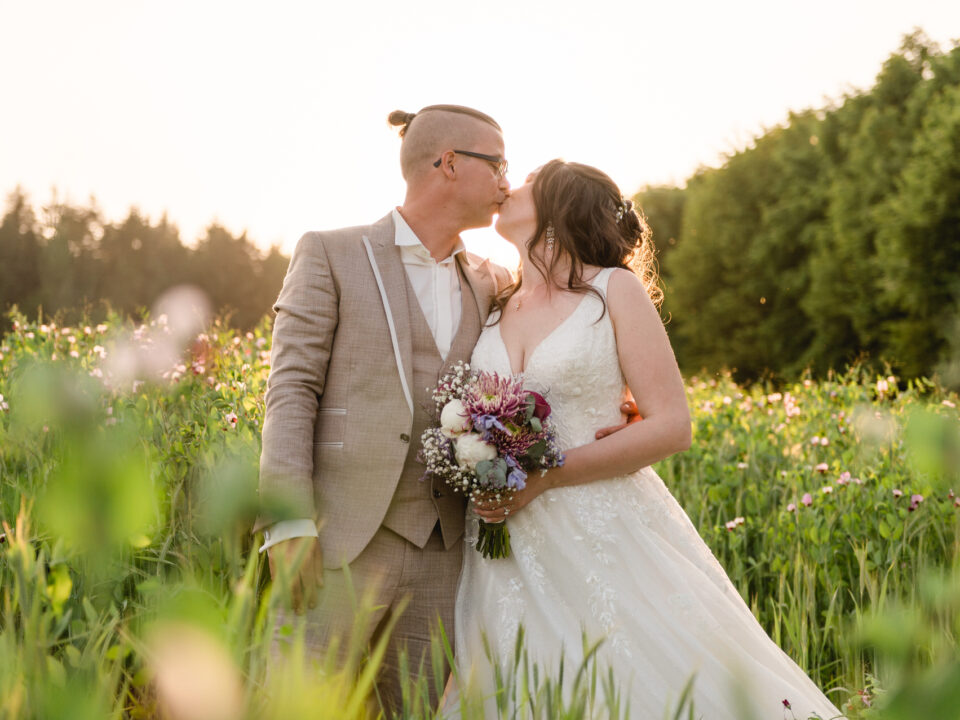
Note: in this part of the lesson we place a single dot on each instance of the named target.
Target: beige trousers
(389, 569)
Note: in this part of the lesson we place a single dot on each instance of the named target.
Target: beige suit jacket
(337, 424)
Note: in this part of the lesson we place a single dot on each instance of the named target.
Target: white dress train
(616, 559)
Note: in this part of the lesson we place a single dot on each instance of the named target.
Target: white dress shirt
(437, 287)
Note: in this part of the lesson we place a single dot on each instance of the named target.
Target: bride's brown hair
(592, 225)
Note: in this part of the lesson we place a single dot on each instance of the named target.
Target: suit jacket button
(437, 494)
(405, 437)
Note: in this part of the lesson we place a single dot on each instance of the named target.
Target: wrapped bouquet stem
(491, 434)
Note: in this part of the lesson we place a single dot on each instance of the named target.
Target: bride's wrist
(548, 480)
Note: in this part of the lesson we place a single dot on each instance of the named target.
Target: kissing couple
(368, 320)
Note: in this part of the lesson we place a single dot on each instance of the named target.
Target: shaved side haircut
(433, 130)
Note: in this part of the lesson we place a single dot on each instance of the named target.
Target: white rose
(454, 419)
(470, 449)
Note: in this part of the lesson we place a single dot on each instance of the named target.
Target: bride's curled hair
(592, 225)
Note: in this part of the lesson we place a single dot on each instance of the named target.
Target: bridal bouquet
(491, 433)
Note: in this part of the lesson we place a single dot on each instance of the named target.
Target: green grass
(129, 487)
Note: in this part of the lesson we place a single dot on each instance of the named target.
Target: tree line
(832, 238)
(69, 261)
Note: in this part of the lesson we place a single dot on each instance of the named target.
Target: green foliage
(832, 239)
(70, 262)
(128, 571)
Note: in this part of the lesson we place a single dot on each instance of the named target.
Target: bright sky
(271, 117)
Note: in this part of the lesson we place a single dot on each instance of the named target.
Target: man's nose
(505, 185)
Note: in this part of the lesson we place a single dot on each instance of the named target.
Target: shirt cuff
(286, 529)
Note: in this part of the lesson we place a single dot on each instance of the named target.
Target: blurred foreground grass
(130, 585)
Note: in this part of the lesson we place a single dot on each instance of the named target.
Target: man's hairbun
(401, 119)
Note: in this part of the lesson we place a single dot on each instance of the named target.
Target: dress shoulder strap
(601, 279)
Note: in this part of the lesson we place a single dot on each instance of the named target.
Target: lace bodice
(576, 368)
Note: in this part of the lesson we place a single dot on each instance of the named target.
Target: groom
(368, 319)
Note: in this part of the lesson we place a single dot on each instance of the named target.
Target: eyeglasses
(499, 164)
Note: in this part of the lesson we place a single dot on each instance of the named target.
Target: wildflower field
(130, 586)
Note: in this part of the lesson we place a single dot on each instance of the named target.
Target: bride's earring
(551, 237)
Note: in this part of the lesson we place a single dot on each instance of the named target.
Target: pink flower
(231, 418)
(844, 478)
(742, 465)
(807, 499)
(824, 441)
(916, 499)
(897, 493)
(815, 440)
(791, 507)
(826, 489)
(949, 404)
(734, 523)
(822, 467)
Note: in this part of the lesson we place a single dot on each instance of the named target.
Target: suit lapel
(387, 255)
(481, 283)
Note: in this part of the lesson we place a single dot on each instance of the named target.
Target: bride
(600, 548)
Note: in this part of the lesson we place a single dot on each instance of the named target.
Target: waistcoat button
(437, 494)
(405, 438)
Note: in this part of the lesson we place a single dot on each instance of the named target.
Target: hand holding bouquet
(492, 433)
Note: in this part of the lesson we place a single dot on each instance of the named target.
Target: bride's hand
(491, 510)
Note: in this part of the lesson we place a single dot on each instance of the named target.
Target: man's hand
(284, 558)
(629, 408)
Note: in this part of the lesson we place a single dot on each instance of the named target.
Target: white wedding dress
(617, 559)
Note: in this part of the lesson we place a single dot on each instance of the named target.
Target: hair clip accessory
(621, 211)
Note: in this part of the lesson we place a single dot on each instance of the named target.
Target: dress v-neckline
(529, 358)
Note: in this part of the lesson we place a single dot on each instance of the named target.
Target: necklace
(520, 298)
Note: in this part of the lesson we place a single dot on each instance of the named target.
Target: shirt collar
(407, 240)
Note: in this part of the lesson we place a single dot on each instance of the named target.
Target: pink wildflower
(826, 489)
(897, 492)
(815, 440)
(791, 507)
(949, 404)
(844, 478)
(232, 419)
(807, 499)
(822, 467)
